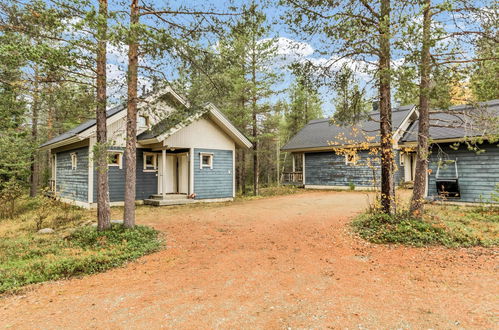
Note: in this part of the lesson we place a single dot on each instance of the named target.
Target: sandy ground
(282, 262)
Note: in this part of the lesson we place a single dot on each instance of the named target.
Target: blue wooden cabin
(329, 156)
(185, 154)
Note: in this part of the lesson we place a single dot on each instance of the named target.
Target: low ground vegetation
(74, 248)
(270, 191)
(448, 225)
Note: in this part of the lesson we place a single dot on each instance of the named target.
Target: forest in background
(49, 72)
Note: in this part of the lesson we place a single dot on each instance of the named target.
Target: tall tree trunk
(256, 156)
(387, 166)
(131, 124)
(243, 172)
(34, 136)
(420, 176)
(103, 208)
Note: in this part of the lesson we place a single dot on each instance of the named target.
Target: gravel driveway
(281, 262)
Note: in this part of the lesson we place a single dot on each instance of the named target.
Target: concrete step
(168, 196)
(165, 202)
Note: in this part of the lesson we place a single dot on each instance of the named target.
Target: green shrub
(402, 228)
(34, 258)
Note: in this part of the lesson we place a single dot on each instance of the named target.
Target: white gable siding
(116, 130)
(202, 133)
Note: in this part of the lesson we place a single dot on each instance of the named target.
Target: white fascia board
(397, 135)
(67, 141)
(217, 116)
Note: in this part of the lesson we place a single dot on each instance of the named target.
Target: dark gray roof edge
(452, 132)
(82, 127)
(401, 108)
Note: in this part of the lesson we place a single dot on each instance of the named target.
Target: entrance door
(409, 166)
(175, 177)
(183, 173)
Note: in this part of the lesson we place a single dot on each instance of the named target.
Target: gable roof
(321, 133)
(163, 129)
(457, 122)
(82, 127)
(175, 122)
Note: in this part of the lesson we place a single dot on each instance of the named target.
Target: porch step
(165, 202)
(168, 196)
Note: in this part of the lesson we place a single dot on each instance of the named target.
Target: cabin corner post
(90, 196)
(163, 174)
(191, 171)
(303, 169)
(234, 172)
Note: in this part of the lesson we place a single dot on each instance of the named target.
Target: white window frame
(120, 158)
(149, 168)
(74, 161)
(203, 154)
(354, 160)
(401, 159)
(146, 121)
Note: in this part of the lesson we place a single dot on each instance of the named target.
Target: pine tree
(350, 102)
(305, 102)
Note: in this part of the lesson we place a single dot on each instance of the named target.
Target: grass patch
(76, 248)
(451, 226)
(272, 191)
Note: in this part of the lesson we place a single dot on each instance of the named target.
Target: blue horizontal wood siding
(216, 182)
(478, 173)
(72, 184)
(329, 169)
(146, 182)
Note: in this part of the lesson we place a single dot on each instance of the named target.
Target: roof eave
(73, 139)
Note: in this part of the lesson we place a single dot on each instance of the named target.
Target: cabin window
(150, 162)
(298, 162)
(205, 160)
(143, 121)
(74, 160)
(351, 159)
(115, 159)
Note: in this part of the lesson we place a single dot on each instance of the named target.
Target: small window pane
(114, 158)
(150, 161)
(142, 121)
(206, 160)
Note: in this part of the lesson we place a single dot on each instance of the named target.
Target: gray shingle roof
(459, 121)
(320, 132)
(82, 127)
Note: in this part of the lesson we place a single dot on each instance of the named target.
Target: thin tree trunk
(50, 122)
(256, 158)
(131, 125)
(387, 166)
(34, 136)
(238, 169)
(103, 208)
(243, 172)
(420, 176)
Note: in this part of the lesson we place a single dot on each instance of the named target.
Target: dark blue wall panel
(216, 182)
(73, 184)
(478, 173)
(329, 169)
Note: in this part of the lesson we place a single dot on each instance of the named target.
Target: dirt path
(283, 262)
